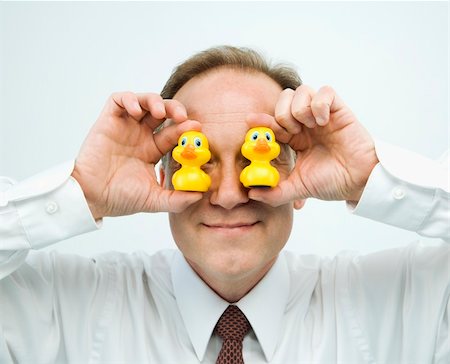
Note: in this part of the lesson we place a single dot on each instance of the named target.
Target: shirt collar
(265, 304)
(201, 307)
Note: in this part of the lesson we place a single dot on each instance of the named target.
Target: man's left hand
(334, 153)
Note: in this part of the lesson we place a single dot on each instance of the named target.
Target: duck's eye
(268, 136)
(183, 141)
(198, 142)
(255, 135)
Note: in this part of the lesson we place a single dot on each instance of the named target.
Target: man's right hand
(116, 164)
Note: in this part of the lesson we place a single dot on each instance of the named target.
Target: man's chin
(232, 266)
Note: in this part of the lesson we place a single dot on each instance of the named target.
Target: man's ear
(298, 204)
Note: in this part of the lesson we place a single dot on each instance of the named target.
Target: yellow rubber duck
(191, 152)
(260, 148)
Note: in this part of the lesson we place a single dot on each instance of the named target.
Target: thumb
(277, 196)
(172, 201)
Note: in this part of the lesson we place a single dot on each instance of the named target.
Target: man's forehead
(229, 93)
(218, 117)
(213, 106)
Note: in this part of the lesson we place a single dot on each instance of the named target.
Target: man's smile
(238, 227)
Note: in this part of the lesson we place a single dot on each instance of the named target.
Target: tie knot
(232, 325)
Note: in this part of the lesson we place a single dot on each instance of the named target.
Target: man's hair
(245, 59)
(238, 58)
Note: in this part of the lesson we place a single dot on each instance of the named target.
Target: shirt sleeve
(408, 191)
(40, 211)
(396, 303)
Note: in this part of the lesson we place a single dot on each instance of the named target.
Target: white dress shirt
(387, 307)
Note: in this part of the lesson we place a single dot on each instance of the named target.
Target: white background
(60, 61)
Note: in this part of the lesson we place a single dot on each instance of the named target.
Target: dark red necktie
(231, 328)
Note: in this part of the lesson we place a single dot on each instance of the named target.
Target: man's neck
(232, 289)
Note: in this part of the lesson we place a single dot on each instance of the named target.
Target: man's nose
(226, 189)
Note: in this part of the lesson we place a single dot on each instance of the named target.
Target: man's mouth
(231, 227)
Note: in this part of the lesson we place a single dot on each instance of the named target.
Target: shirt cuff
(51, 207)
(407, 191)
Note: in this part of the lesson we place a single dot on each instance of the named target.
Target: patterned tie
(232, 327)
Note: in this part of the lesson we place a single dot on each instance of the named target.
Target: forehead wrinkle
(218, 117)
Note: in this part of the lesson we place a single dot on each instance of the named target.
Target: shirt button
(398, 193)
(51, 207)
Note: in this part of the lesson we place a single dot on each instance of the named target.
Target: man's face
(227, 236)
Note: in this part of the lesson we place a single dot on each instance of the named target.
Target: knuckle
(300, 114)
(327, 89)
(120, 99)
(115, 95)
(158, 96)
(304, 89)
(173, 103)
(153, 97)
(282, 117)
(127, 94)
(318, 104)
(300, 88)
(126, 97)
(287, 91)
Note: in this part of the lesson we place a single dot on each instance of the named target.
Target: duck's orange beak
(261, 146)
(189, 152)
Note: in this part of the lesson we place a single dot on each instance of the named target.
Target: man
(389, 307)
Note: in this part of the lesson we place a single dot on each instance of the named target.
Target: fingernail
(160, 109)
(181, 111)
(256, 198)
(320, 120)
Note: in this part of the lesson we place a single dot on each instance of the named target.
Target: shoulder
(137, 260)
(421, 254)
(414, 265)
(59, 268)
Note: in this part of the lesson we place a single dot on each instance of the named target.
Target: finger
(126, 102)
(283, 113)
(153, 103)
(262, 119)
(171, 201)
(326, 101)
(277, 196)
(167, 138)
(301, 106)
(321, 104)
(172, 109)
(175, 110)
(178, 201)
